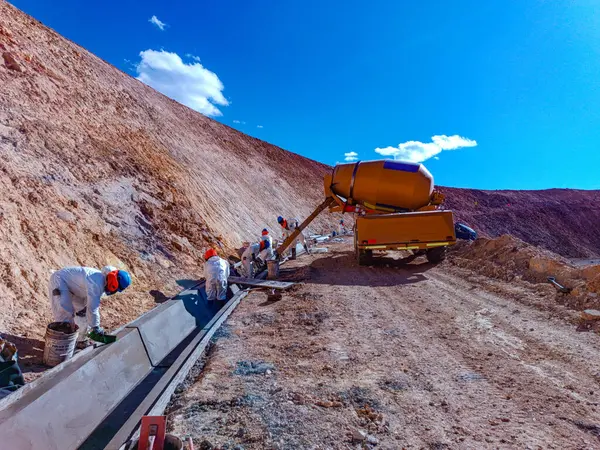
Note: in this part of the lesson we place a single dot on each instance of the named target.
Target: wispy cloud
(190, 84)
(350, 156)
(194, 57)
(259, 126)
(236, 121)
(416, 151)
(156, 21)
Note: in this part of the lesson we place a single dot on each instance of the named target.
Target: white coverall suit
(251, 250)
(291, 227)
(74, 288)
(267, 253)
(216, 272)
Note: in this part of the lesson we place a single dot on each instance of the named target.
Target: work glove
(98, 330)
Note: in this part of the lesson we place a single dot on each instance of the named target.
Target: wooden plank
(292, 237)
(261, 283)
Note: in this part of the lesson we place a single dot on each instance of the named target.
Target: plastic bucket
(272, 269)
(59, 345)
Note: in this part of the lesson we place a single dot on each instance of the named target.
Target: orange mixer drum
(384, 185)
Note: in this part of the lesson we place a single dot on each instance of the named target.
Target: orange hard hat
(210, 253)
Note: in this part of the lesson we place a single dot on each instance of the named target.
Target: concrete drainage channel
(96, 399)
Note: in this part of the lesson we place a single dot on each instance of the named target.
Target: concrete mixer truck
(396, 208)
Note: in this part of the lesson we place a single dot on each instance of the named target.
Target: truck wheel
(364, 257)
(436, 255)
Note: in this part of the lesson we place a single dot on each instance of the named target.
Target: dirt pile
(96, 168)
(509, 258)
(564, 221)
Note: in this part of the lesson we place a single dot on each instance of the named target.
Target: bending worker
(75, 289)
(216, 273)
(288, 228)
(251, 259)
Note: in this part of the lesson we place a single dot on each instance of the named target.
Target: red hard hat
(210, 253)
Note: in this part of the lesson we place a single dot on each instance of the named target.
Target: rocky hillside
(564, 221)
(96, 168)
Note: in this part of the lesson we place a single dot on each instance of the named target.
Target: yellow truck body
(428, 231)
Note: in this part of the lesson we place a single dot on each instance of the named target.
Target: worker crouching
(216, 273)
(78, 290)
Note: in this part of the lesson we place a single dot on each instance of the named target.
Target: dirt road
(396, 356)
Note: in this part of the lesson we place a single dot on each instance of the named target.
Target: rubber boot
(293, 253)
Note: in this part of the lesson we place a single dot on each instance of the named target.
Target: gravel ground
(396, 356)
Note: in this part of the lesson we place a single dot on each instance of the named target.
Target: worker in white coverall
(342, 228)
(288, 227)
(73, 290)
(266, 245)
(216, 273)
(250, 258)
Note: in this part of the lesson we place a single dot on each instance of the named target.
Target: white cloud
(156, 21)
(416, 151)
(194, 57)
(190, 84)
(236, 121)
(350, 156)
(259, 126)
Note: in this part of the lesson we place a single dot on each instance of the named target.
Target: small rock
(66, 216)
(372, 440)
(590, 314)
(10, 62)
(34, 198)
(205, 445)
(357, 435)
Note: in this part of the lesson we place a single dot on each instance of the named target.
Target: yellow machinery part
(385, 185)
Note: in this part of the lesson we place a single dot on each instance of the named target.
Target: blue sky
(426, 79)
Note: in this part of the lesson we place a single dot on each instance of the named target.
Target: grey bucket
(272, 269)
(59, 346)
